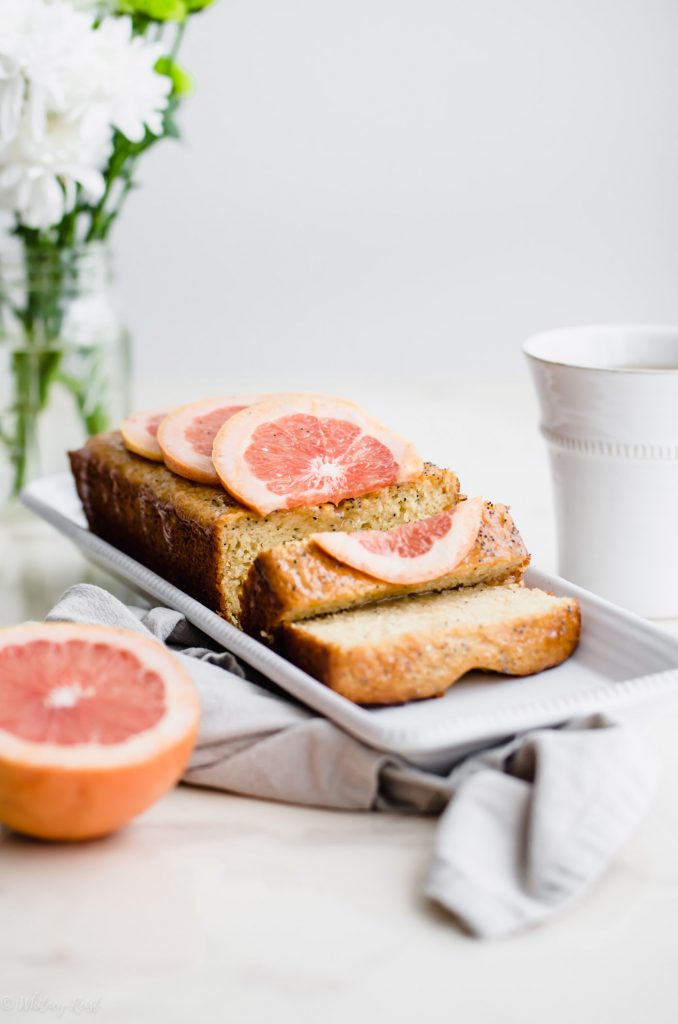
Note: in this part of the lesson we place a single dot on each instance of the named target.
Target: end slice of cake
(419, 646)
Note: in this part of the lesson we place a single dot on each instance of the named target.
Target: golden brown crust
(298, 580)
(200, 538)
(426, 665)
(166, 523)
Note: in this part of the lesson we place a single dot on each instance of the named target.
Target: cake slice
(299, 581)
(201, 539)
(418, 646)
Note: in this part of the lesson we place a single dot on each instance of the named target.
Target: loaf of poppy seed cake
(201, 539)
(299, 580)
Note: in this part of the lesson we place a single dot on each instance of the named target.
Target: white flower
(12, 89)
(64, 87)
(133, 92)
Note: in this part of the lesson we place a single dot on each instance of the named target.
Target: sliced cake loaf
(201, 539)
(299, 581)
(416, 647)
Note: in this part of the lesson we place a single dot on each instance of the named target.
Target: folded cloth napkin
(525, 827)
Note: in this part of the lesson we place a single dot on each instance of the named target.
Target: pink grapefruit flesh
(140, 433)
(414, 553)
(96, 724)
(303, 450)
(186, 436)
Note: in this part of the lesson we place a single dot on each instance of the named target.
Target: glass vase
(64, 357)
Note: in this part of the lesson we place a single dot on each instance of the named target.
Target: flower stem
(178, 39)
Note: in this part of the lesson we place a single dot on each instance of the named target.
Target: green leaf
(157, 10)
(182, 83)
(198, 5)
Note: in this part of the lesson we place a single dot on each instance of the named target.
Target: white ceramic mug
(609, 414)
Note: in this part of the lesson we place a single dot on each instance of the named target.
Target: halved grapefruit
(302, 450)
(414, 553)
(140, 433)
(96, 724)
(187, 434)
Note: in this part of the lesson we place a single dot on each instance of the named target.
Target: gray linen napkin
(525, 827)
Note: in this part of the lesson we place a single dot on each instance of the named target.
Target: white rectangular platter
(621, 659)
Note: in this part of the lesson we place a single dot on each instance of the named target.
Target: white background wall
(402, 190)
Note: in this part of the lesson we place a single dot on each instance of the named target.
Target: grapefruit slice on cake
(414, 553)
(96, 724)
(187, 434)
(302, 450)
(140, 433)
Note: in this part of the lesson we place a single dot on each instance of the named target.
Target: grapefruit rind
(234, 443)
(82, 791)
(178, 454)
(136, 436)
(447, 547)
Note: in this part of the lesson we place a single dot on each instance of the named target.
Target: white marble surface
(215, 908)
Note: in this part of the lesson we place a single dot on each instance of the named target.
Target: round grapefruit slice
(413, 553)
(140, 433)
(303, 450)
(96, 724)
(187, 434)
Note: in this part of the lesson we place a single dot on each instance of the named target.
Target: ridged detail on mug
(610, 449)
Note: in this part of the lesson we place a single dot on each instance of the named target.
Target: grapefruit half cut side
(303, 450)
(96, 724)
(140, 433)
(414, 553)
(187, 434)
